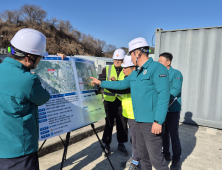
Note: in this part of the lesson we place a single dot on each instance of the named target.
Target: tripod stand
(67, 144)
(65, 149)
(103, 148)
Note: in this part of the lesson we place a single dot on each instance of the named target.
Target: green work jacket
(150, 91)
(176, 80)
(20, 95)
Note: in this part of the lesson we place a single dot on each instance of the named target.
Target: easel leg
(41, 146)
(65, 149)
(103, 148)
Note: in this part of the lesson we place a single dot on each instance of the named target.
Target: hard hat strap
(19, 53)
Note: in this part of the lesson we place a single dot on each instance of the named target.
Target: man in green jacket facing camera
(20, 95)
(150, 94)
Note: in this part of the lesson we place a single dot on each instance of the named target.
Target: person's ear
(169, 63)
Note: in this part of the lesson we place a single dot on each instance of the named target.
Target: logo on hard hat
(117, 55)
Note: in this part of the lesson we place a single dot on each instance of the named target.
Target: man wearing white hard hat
(150, 92)
(127, 107)
(20, 95)
(113, 106)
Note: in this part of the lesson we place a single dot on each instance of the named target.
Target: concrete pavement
(201, 150)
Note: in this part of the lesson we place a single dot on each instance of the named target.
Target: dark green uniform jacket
(150, 91)
(20, 95)
(176, 80)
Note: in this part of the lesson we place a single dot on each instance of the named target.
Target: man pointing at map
(20, 95)
(149, 85)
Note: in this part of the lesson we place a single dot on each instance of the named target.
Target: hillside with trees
(61, 35)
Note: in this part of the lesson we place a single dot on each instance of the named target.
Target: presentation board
(73, 102)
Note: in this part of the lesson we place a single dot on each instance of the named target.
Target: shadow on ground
(91, 154)
(187, 131)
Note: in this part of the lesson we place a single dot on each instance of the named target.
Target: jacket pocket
(146, 83)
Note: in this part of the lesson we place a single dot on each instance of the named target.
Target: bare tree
(65, 26)
(101, 45)
(76, 34)
(53, 21)
(110, 48)
(60, 33)
(7, 16)
(89, 43)
(33, 13)
(17, 17)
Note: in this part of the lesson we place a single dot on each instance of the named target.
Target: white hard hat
(127, 62)
(119, 54)
(137, 43)
(30, 41)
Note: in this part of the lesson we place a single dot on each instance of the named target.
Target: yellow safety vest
(111, 72)
(127, 106)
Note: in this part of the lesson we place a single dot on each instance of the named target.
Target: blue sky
(119, 21)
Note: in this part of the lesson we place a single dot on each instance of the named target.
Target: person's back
(20, 93)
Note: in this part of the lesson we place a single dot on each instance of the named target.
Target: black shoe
(121, 148)
(128, 163)
(167, 157)
(107, 150)
(175, 165)
(133, 167)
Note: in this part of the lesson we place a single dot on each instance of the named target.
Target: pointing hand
(95, 81)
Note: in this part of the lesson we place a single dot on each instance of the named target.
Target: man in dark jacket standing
(173, 114)
(20, 95)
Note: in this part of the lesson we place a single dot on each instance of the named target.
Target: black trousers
(171, 131)
(27, 162)
(132, 126)
(149, 147)
(114, 111)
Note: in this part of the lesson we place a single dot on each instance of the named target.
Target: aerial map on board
(54, 75)
(73, 102)
(84, 71)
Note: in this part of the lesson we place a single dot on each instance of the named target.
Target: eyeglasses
(34, 60)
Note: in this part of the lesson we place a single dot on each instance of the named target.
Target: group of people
(138, 91)
(146, 95)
